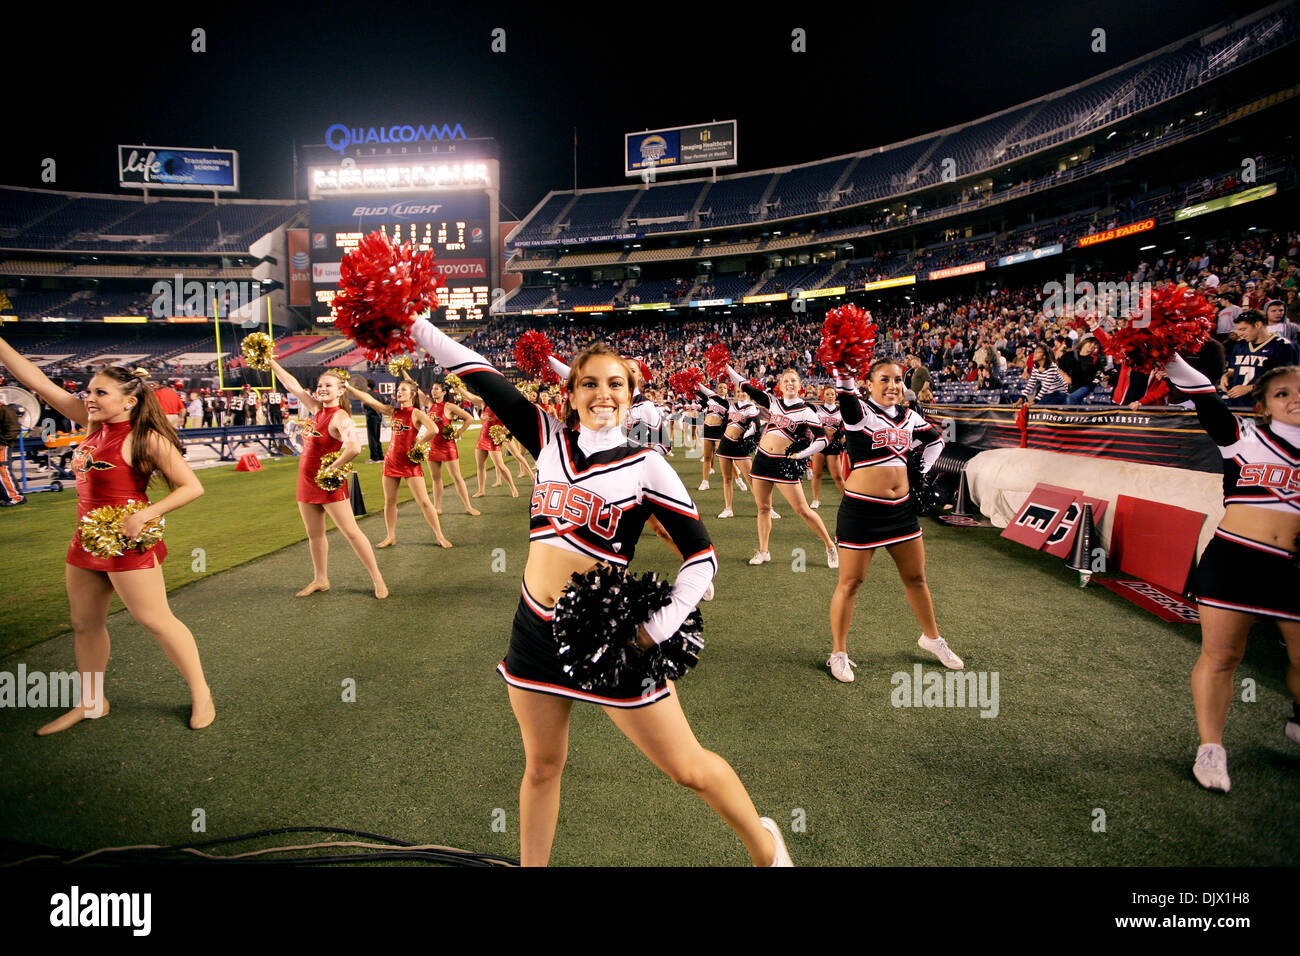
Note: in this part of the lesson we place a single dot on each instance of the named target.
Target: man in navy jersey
(1255, 352)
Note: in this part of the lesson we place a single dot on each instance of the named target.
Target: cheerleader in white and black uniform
(828, 410)
(645, 427)
(791, 435)
(876, 510)
(715, 422)
(594, 492)
(735, 449)
(1248, 570)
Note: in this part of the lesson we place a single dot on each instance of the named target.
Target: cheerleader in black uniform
(791, 435)
(828, 410)
(736, 447)
(715, 421)
(1248, 570)
(594, 492)
(876, 511)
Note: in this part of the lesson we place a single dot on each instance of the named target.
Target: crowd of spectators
(991, 339)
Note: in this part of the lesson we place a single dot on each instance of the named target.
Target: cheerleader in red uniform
(487, 448)
(330, 429)
(408, 425)
(128, 442)
(443, 449)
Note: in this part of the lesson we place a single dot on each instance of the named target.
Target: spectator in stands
(1044, 382)
(985, 380)
(1256, 351)
(1275, 312)
(1228, 312)
(1082, 367)
(917, 374)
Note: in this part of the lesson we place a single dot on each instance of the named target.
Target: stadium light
(1145, 248)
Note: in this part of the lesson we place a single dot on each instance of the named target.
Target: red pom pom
(757, 384)
(533, 354)
(646, 377)
(382, 288)
(848, 340)
(685, 382)
(715, 362)
(1181, 321)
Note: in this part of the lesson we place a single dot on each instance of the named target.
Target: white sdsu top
(595, 489)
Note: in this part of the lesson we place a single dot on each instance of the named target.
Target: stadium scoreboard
(442, 205)
(455, 228)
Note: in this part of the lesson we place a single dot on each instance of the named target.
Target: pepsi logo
(476, 234)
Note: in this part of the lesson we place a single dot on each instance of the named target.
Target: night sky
(277, 74)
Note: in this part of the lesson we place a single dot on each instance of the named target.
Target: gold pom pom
(258, 349)
(419, 453)
(399, 365)
(330, 478)
(100, 531)
(449, 431)
(343, 374)
(499, 434)
(453, 382)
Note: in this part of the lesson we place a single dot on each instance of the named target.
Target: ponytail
(147, 418)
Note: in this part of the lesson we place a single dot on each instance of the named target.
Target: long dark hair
(147, 417)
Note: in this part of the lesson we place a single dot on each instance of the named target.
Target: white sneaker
(832, 557)
(1293, 731)
(782, 857)
(1211, 768)
(841, 667)
(940, 649)
(704, 485)
(816, 503)
(761, 557)
(708, 592)
(775, 516)
(726, 513)
(740, 483)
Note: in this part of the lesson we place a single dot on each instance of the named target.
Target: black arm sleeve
(526, 421)
(1216, 418)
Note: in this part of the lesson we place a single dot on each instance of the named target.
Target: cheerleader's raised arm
(526, 421)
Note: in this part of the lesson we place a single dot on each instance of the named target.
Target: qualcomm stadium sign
(339, 137)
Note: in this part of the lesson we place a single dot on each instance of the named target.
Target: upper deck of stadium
(854, 181)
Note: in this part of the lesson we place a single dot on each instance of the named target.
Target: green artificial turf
(1094, 710)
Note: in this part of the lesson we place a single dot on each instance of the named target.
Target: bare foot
(386, 543)
(72, 717)
(514, 492)
(313, 587)
(479, 494)
(474, 512)
(202, 714)
(381, 590)
(444, 543)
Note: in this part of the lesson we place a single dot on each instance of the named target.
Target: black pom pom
(595, 625)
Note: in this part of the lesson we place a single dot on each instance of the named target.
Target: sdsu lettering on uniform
(576, 507)
(1283, 477)
(893, 438)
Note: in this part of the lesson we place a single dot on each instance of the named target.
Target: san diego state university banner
(1173, 438)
